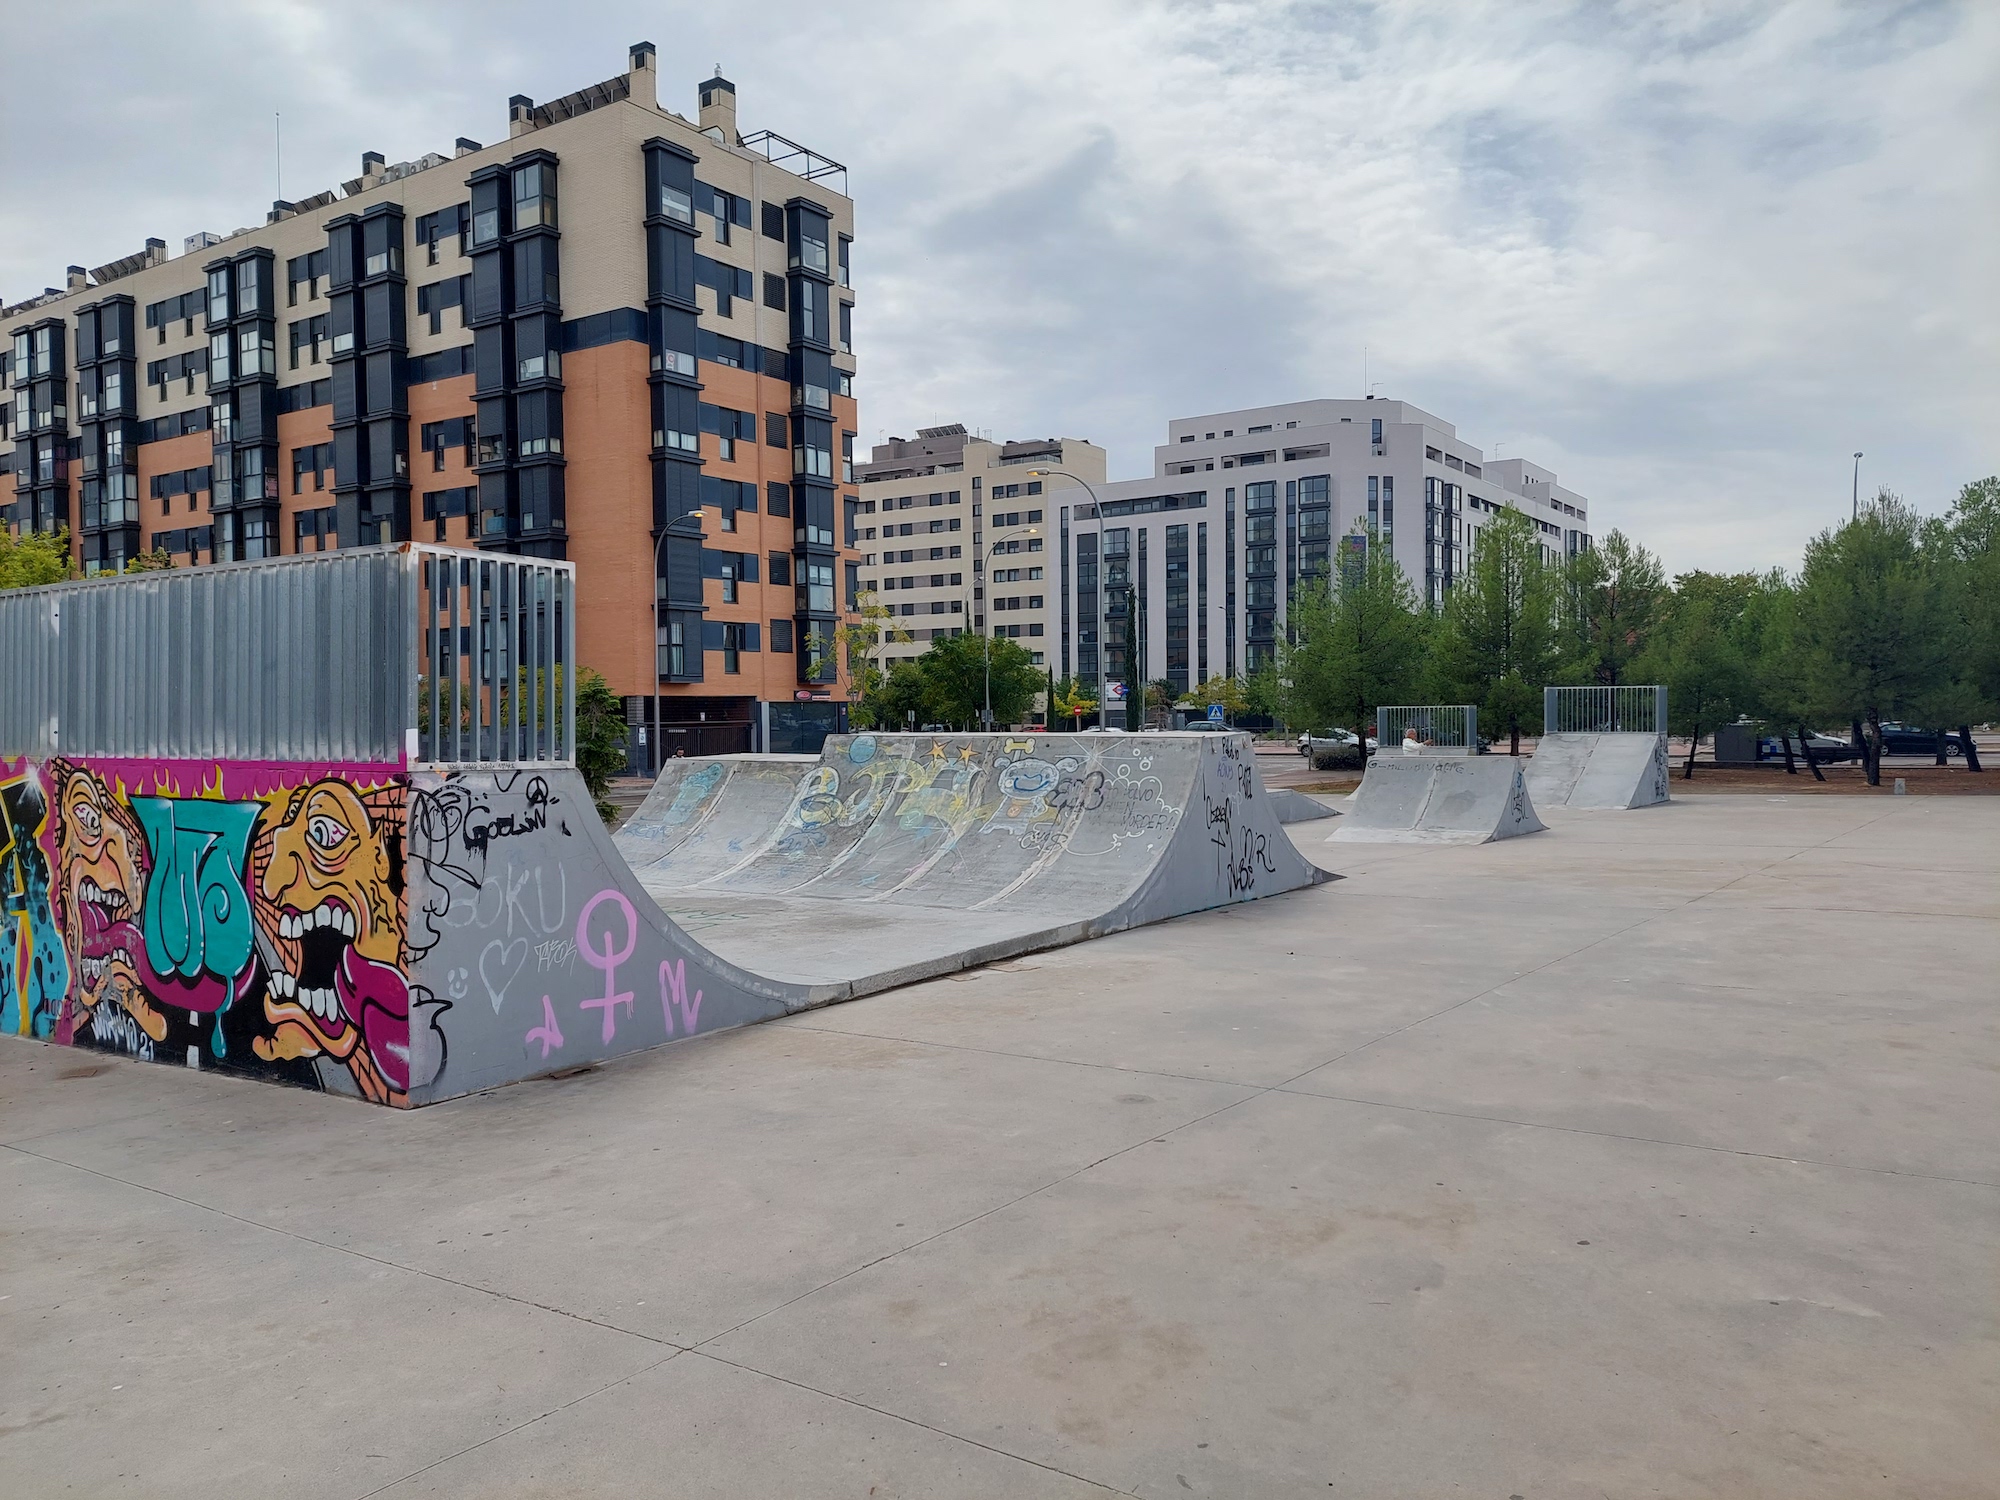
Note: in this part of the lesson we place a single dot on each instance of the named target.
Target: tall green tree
(1876, 637)
(1497, 643)
(1611, 600)
(600, 737)
(1973, 540)
(1765, 637)
(1359, 640)
(33, 558)
(954, 674)
(860, 641)
(1696, 655)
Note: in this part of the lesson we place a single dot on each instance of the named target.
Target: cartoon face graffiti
(326, 890)
(102, 866)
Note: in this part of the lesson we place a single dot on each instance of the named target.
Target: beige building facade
(954, 536)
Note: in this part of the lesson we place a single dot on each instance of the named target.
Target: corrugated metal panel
(334, 656)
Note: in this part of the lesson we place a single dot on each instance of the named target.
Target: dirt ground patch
(1843, 780)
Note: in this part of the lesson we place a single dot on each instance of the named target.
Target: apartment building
(621, 336)
(954, 533)
(1242, 505)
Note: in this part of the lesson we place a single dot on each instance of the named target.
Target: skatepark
(1135, 1159)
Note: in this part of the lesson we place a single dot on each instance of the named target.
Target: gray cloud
(1689, 256)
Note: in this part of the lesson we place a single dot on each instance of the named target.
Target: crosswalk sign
(1215, 713)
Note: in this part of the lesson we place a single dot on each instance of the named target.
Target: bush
(1338, 758)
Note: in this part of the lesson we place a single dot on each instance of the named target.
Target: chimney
(643, 77)
(372, 165)
(78, 278)
(465, 146)
(518, 109)
(156, 252)
(718, 108)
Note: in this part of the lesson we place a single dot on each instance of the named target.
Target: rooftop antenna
(278, 133)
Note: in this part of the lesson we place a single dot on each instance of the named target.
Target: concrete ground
(1655, 1155)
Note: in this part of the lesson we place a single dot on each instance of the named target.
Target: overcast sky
(1689, 255)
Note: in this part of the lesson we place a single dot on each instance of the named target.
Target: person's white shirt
(1411, 744)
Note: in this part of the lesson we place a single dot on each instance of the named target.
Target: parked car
(1903, 739)
(1825, 748)
(1333, 737)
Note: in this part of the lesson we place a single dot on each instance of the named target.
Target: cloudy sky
(1690, 254)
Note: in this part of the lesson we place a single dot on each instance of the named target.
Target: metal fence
(1439, 726)
(328, 656)
(1604, 710)
(498, 648)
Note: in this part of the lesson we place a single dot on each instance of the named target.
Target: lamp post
(659, 758)
(1856, 514)
(984, 579)
(1097, 510)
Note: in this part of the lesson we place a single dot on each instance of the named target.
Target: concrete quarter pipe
(1597, 772)
(1439, 799)
(748, 887)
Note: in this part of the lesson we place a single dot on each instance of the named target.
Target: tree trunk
(1869, 770)
(1514, 739)
(1806, 750)
(1874, 747)
(1941, 759)
(1971, 750)
(1694, 739)
(1791, 766)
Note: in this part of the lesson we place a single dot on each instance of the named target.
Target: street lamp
(1097, 510)
(659, 758)
(1857, 488)
(984, 578)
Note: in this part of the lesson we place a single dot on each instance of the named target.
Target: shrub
(1338, 758)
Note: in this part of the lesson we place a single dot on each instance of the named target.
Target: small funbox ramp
(1297, 807)
(1598, 772)
(1439, 799)
(897, 856)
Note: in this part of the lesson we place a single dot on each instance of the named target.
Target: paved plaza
(1658, 1154)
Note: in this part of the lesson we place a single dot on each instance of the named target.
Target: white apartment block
(1241, 505)
(953, 533)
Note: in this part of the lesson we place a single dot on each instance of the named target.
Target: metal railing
(338, 656)
(1604, 710)
(1439, 726)
(497, 682)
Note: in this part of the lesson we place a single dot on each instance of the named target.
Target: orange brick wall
(167, 457)
(439, 401)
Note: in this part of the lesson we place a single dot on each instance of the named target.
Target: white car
(1330, 739)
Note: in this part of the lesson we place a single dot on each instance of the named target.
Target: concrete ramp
(1439, 799)
(890, 858)
(1297, 807)
(1595, 772)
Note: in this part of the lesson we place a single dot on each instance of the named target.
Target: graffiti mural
(246, 917)
(518, 899)
(36, 975)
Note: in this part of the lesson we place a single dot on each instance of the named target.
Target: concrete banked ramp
(748, 887)
(1439, 799)
(1597, 772)
(893, 857)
